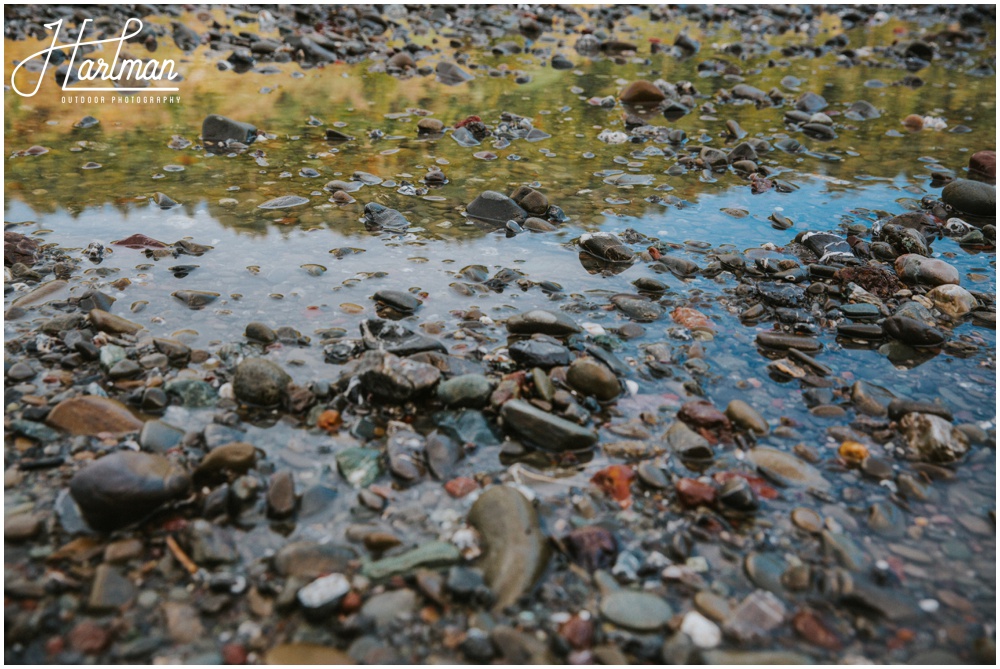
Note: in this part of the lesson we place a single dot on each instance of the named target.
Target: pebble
(260, 382)
(971, 197)
(786, 469)
(641, 92)
(913, 268)
(637, 307)
(217, 129)
(639, 611)
(515, 552)
(496, 208)
(745, 416)
(433, 554)
(112, 324)
(21, 527)
(467, 390)
(587, 376)
(539, 351)
(606, 246)
(93, 415)
(932, 438)
(398, 300)
(395, 379)
(541, 321)
(952, 300)
(545, 430)
(110, 590)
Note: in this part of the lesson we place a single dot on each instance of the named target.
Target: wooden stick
(181, 556)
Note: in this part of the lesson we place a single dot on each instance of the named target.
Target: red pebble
(460, 487)
(234, 653)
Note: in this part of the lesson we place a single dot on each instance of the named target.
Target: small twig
(181, 556)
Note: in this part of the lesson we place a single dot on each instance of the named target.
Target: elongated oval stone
(515, 550)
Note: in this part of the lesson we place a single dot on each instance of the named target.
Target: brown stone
(112, 324)
(91, 415)
(641, 92)
(19, 249)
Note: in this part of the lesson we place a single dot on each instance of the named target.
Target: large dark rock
(515, 550)
(494, 207)
(125, 487)
(394, 379)
(971, 197)
(543, 429)
(217, 129)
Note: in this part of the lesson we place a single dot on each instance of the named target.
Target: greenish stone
(111, 355)
(433, 554)
(193, 392)
(360, 466)
(33, 430)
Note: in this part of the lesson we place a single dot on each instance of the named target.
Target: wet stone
(467, 390)
(110, 590)
(589, 377)
(124, 487)
(639, 611)
(540, 321)
(971, 197)
(745, 416)
(607, 247)
(786, 469)
(514, 549)
(217, 129)
(398, 300)
(260, 382)
(638, 308)
(93, 415)
(396, 379)
(308, 560)
(539, 351)
(379, 217)
(497, 208)
(544, 429)
(932, 438)
(433, 554)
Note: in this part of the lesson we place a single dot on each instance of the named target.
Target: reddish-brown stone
(578, 633)
(592, 547)
(983, 165)
(701, 414)
(691, 492)
(234, 653)
(19, 249)
(460, 487)
(89, 638)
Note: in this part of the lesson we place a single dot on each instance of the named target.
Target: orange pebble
(329, 420)
(853, 452)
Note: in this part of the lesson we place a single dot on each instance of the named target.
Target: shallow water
(257, 259)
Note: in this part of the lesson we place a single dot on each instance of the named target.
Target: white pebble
(929, 605)
(702, 631)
